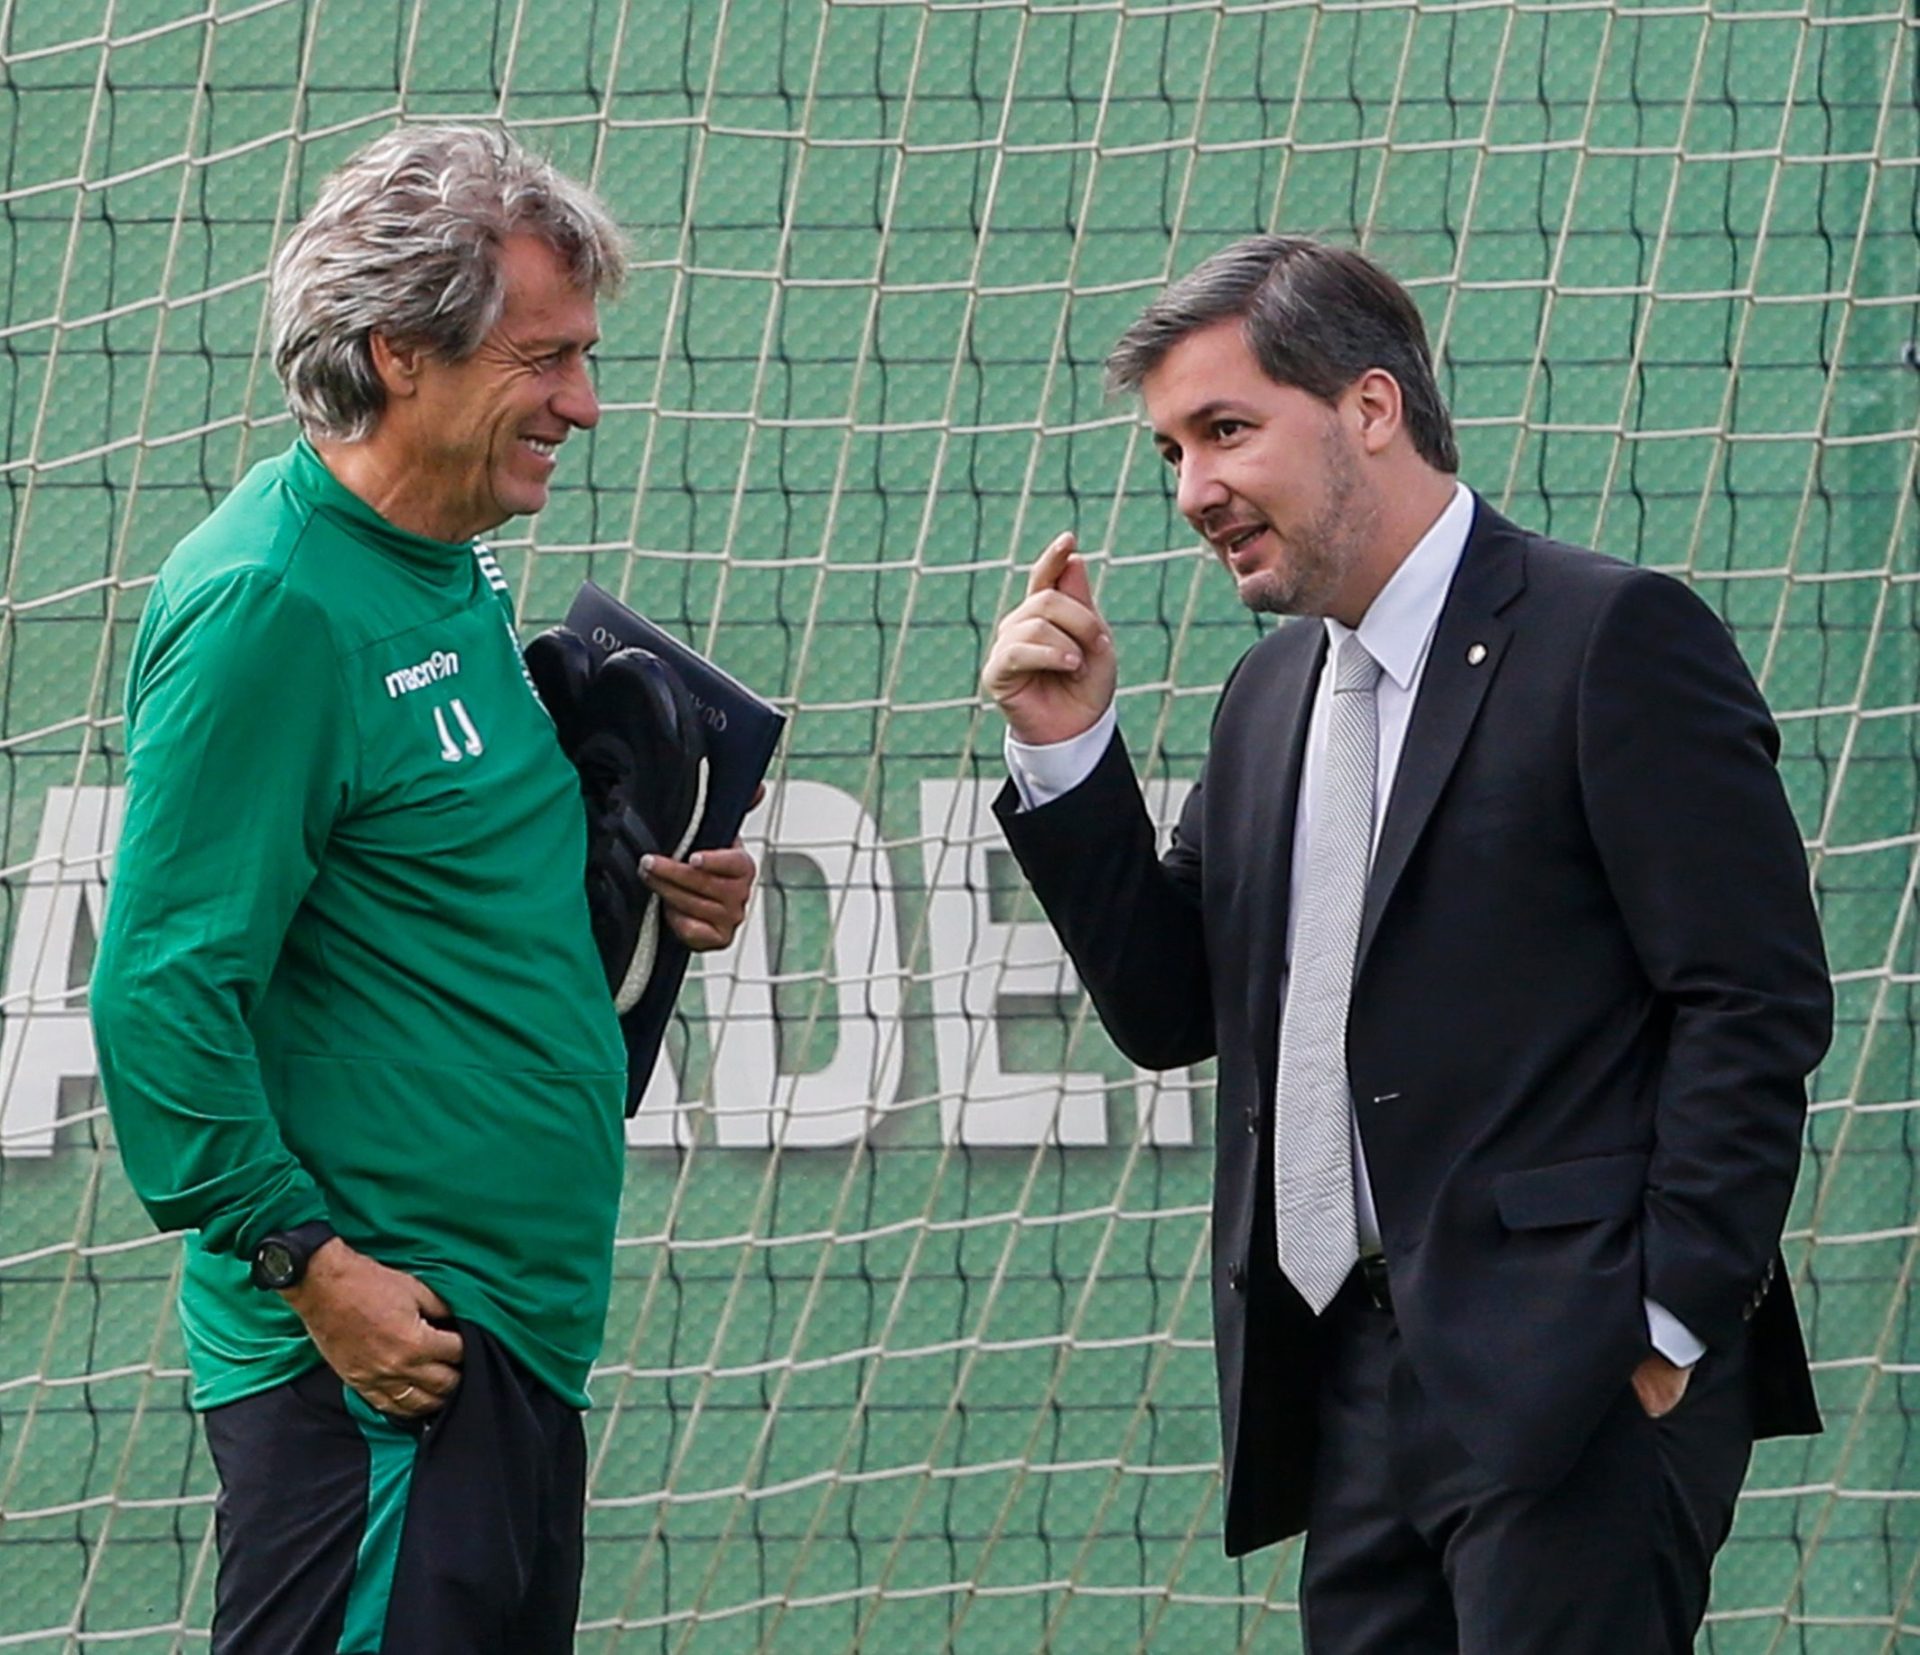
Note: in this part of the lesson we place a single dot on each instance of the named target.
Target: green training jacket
(347, 970)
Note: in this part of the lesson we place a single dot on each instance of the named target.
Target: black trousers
(1412, 1549)
(345, 1532)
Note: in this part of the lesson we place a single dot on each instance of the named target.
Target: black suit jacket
(1590, 986)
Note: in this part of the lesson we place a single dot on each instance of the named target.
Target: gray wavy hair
(404, 241)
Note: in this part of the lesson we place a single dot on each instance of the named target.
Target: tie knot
(1354, 668)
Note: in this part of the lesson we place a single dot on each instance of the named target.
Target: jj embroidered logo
(469, 744)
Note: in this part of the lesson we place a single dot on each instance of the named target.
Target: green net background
(909, 1392)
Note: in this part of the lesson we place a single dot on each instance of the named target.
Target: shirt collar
(307, 474)
(1399, 623)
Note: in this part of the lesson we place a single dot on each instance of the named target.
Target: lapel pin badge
(1476, 653)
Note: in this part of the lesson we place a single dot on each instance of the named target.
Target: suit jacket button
(1237, 1277)
(1253, 1120)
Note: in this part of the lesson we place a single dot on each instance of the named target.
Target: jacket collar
(1467, 650)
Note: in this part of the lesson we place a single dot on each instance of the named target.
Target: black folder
(742, 730)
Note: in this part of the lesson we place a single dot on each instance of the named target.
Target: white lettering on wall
(979, 963)
(754, 1105)
(664, 1118)
(48, 1039)
(980, 969)
(1164, 1100)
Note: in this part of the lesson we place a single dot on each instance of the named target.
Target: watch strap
(294, 1248)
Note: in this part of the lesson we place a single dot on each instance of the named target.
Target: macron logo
(442, 663)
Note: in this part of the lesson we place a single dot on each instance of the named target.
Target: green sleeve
(238, 763)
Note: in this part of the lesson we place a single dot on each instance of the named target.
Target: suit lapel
(1467, 648)
(1285, 708)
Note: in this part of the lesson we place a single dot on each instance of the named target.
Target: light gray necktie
(1313, 1143)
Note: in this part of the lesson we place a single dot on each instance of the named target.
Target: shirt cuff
(1043, 774)
(1671, 1337)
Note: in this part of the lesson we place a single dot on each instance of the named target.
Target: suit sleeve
(1702, 853)
(1129, 920)
(237, 759)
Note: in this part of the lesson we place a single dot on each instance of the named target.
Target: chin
(1267, 593)
(521, 502)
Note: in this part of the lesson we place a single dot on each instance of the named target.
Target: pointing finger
(1051, 564)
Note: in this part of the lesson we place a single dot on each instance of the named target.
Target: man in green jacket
(355, 1033)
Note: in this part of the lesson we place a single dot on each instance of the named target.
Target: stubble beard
(1327, 549)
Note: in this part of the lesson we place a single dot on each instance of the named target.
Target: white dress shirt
(1397, 631)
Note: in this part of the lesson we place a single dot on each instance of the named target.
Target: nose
(1199, 491)
(577, 402)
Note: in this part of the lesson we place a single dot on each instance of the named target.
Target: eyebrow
(1200, 416)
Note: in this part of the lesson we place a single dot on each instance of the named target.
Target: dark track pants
(1412, 1549)
(343, 1532)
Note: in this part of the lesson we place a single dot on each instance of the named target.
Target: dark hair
(1315, 317)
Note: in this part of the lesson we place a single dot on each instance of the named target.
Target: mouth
(545, 447)
(1234, 542)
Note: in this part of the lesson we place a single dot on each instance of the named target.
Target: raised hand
(1052, 669)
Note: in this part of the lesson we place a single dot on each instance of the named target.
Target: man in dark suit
(1491, 883)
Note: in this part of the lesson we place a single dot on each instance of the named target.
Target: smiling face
(1270, 476)
(481, 435)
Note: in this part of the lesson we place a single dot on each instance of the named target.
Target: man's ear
(397, 363)
(1377, 407)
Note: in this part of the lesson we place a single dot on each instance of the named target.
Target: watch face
(276, 1263)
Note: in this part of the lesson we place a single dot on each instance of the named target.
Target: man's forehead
(539, 314)
(536, 272)
(1213, 365)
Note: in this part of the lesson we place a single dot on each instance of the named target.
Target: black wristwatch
(280, 1261)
